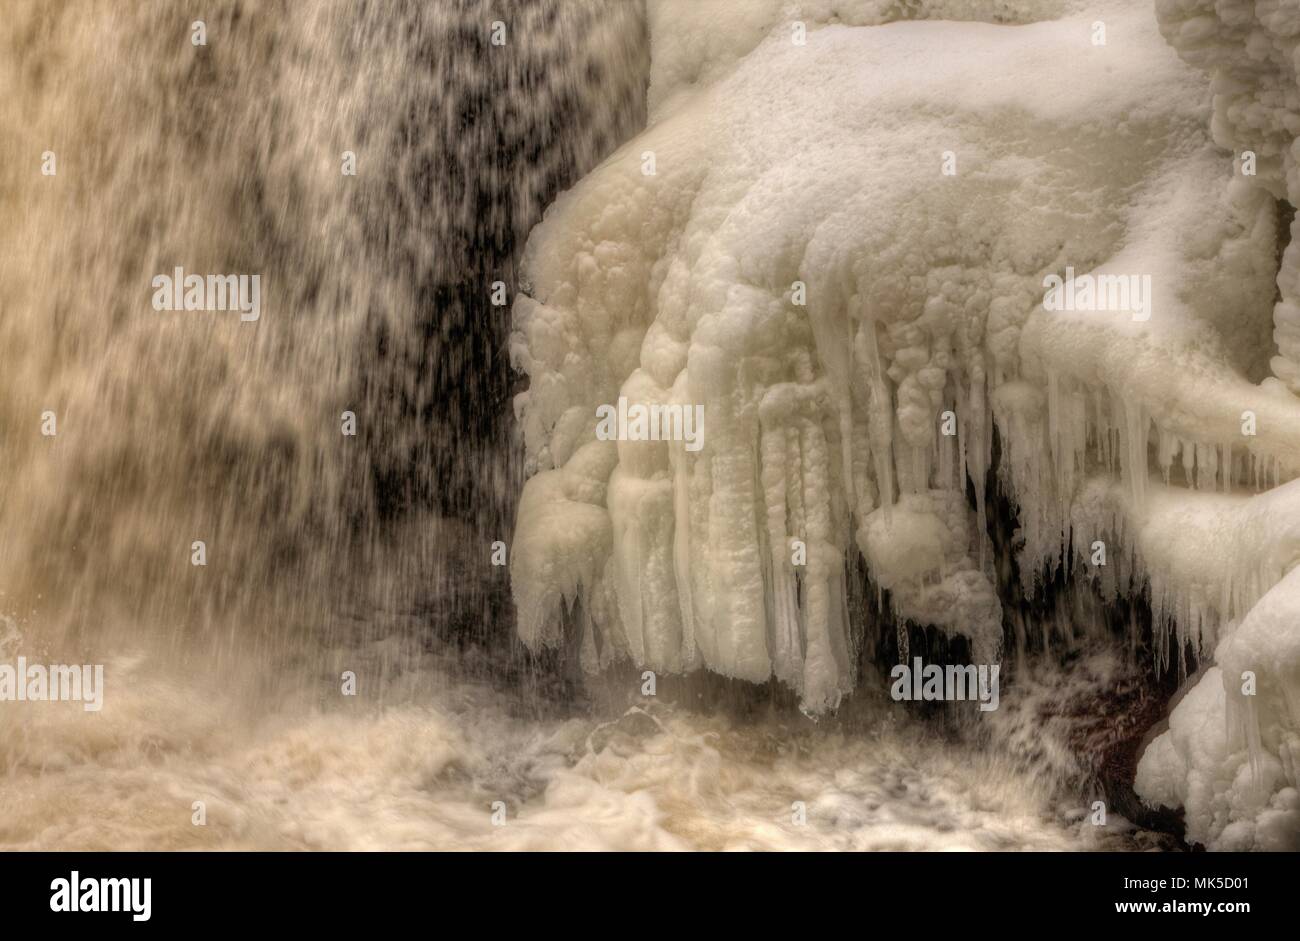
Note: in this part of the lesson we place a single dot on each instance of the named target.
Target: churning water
(325, 552)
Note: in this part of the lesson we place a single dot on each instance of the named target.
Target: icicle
(1135, 432)
(845, 412)
(881, 423)
(821, 606)
(980, 455)
(787, 655)
(1207, 467)
(946, 444)
(680, 462)
(1165, 451)
(628, 564)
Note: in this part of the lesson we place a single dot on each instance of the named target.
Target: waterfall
(377, 300)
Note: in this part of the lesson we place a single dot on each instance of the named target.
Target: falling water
(327, 553)
(228, 157)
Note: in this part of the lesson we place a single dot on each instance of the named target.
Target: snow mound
(1231, 753)
(697, 43)
(1250, 52)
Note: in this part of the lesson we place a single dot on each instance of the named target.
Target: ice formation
(836, 240)
(1231, 756)
(1249, 50)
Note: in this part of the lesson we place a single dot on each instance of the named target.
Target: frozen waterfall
(849, 277)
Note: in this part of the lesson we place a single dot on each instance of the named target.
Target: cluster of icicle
(800, 266)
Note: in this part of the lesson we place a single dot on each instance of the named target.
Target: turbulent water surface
(425, 766)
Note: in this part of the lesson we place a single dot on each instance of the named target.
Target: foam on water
(423, 770)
